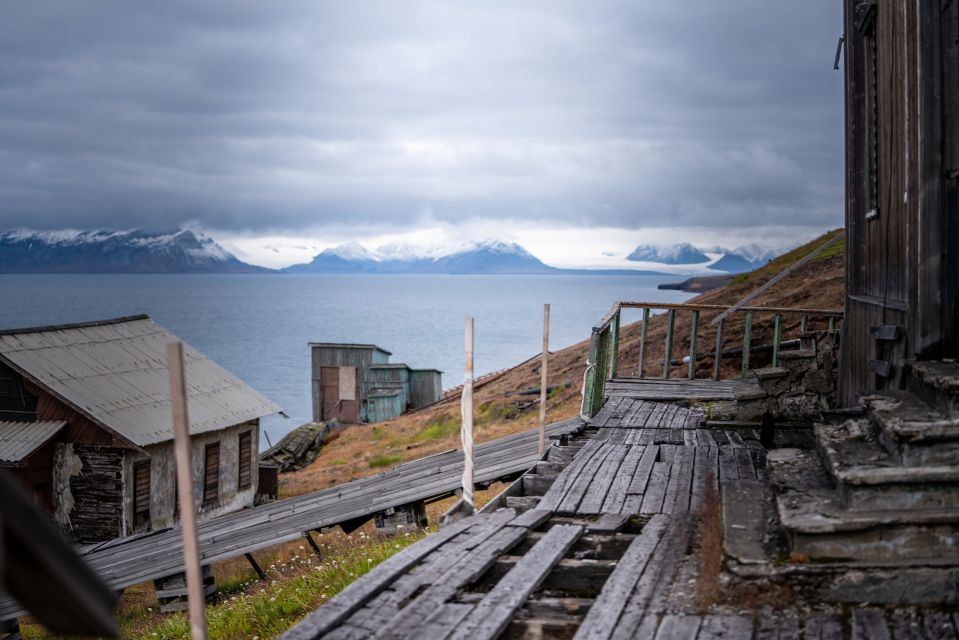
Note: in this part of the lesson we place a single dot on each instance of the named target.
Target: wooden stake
(466, 432)
(542, 384)
(181, 446)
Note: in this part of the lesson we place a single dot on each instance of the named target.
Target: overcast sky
(279, 127)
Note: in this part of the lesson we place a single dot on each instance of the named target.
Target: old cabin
(358, 383)
(85, 426)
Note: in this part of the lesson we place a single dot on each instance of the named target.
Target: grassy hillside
(500, 410)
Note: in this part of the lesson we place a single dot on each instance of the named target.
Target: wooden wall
(902, 245)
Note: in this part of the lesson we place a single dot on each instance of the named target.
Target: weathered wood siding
(902, 242)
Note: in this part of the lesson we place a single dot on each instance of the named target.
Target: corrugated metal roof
(348, 345)
(115, 372)
(20, 439)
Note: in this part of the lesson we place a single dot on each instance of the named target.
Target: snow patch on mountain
(683, 253)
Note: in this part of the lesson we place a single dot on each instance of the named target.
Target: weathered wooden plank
(446, 618)
(680, 481)
(869, 622)
(605, 612)
(531, 519)
(469, 568)
(493, 613)
(360, 592)
(744, 463)
(678, 627)
(643, 470)
(581, 484)
(608, 523)
(822, 626)
(728, 469)
(666, 452)
(624, 477)
(725, 627)
(777, 627)
(735, 440)
(656, 489)
(568, 476)
(602, 481)
(705, 471)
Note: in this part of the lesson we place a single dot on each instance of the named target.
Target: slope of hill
(501, 409)
(116, 252)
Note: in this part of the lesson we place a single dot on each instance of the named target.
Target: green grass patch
(337, 462)
(442, 426)
(384, 461)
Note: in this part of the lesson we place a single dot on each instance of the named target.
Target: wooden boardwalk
(128, 561)
(604, 551)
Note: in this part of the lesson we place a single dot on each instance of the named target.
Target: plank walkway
(603, 553)
(128, 561)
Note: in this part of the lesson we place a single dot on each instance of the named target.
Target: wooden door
(339, 394)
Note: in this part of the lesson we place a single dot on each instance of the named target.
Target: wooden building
(358, 383)
(902, 195)
(85, 425)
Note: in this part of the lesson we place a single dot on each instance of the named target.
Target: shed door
(339, 394)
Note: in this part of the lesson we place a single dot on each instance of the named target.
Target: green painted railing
(603, 360)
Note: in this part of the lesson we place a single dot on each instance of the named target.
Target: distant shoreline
(699, 284)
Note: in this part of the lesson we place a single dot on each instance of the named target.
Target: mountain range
(487, 257)
(186, 251)
(744, 258)
(683, 253)
(134, 251)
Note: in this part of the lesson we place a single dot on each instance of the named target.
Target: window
(141, 493)
(245, 476)
(211, 474)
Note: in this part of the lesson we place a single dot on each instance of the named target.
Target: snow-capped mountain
(744, 258)
(683, 253)
(489, 256)
(134, 251)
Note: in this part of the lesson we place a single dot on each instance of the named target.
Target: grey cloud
(254, 116)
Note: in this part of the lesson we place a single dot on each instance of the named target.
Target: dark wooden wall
(901, 160)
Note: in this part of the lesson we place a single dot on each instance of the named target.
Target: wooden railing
(603, 358)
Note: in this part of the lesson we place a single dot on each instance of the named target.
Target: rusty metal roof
(115, 373)
(20, 439)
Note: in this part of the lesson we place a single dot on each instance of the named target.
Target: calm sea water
(258, 326)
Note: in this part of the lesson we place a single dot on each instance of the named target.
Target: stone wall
(801, 387)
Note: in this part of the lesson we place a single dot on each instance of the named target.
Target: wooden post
(747, 338)
(692, 345)
(542, 383)
(181, 446)
(777, 337)
(642, 343)
(466, 432)
(719, 349)
(671, 319)
(614, 346)
(589, 379)
(804, 323)
(832, 324)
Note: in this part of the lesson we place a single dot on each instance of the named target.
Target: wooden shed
(358, 383)
(902, 194)
(85, 426)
